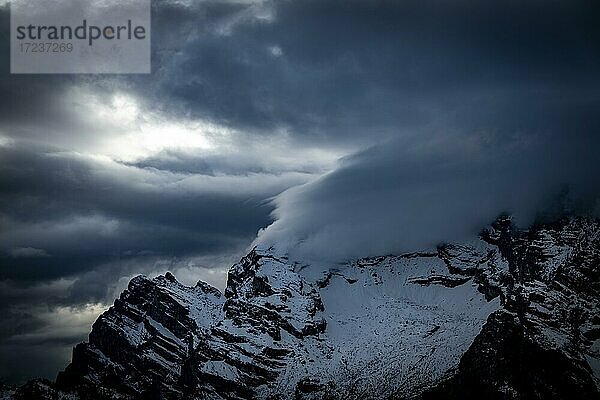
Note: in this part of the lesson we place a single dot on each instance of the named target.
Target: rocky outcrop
(141, 343)
(270, 310)
(543, 344)
(504, 362)
(512, 315)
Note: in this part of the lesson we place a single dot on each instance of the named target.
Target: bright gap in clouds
(129, 132)
(148, 133)
(124, 130)
(5, 141)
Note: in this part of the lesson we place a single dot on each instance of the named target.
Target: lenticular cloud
(402, 197)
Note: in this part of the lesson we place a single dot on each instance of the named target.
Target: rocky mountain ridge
(511, 315)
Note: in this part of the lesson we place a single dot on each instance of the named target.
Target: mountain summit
(514, 314)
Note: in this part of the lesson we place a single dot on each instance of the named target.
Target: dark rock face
(514, 315)
(505, 363)
(540, 345)
(141, 342)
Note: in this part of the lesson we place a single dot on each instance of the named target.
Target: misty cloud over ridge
(402, 196)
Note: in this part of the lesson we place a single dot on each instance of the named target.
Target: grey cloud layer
(361, 71)
(80, 210)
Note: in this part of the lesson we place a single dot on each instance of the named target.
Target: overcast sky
(397, 125)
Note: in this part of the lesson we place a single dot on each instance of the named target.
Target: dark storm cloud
(77, 211)
(15, 323)
(347, 67)
(23, 97)
(342, 69)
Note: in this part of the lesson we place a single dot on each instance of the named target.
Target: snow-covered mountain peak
(462, 321)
